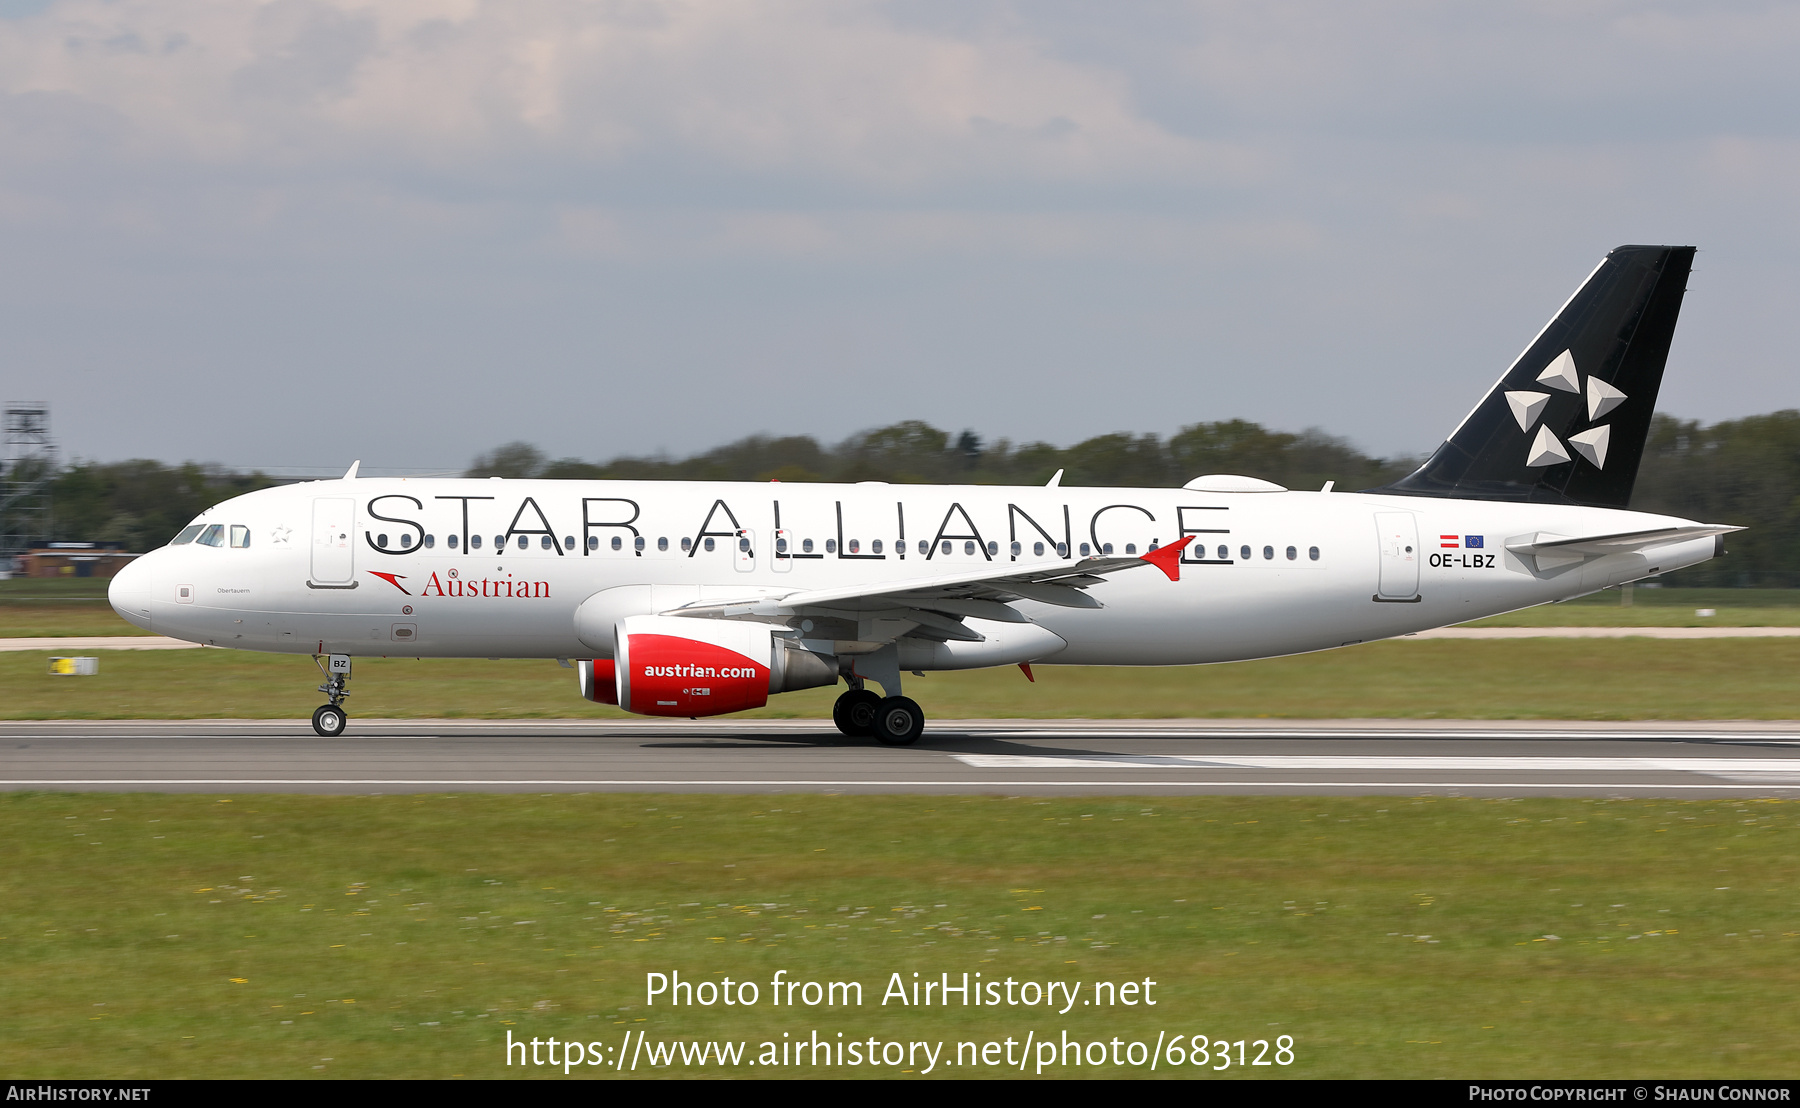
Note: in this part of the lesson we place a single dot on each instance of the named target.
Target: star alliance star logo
(1546, 449)
(279, 536)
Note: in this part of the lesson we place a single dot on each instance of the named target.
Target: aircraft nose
(129, 594)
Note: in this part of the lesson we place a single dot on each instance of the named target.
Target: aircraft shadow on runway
(952, 743)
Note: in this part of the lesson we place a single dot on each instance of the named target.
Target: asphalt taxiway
(1013, 757)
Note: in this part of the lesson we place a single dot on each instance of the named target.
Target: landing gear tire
(854, 713)
(329, 720)
(898, 721)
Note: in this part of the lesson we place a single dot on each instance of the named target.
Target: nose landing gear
(330, 719)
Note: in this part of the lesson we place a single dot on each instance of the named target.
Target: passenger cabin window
(1037, 548)
(806, 546)
(1313, 553)
(212, 536)
(687, 544)
(474, 542)
(1292, 553)
(1268, 553)
(875, 546)
(450, 541)
(924, 547)
(662, 543)
(545, 542)
(381, 540)
(430, 541)
(831, 546)
(569, 542)
(709, 546)
(855, 546)
(187, 534)
(1224, 553)
(1084, 550)
(637, 544)
(1244, 553)
(240, 536)
(524, 542)
(618, 542)
(593, 542)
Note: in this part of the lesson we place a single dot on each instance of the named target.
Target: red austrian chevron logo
(393, 579)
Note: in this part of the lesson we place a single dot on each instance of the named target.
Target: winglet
(1055, 480)
(1025, 667)
(351, 472)
(1168, 558)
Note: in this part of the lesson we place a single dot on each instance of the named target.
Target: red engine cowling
(598, 681)
(673, 666)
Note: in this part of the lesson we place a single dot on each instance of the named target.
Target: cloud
(980, 212)
(492, 91)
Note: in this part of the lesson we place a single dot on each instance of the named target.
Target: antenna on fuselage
(1055, 480)
(350, 474)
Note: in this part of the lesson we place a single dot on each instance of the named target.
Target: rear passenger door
(333, 548)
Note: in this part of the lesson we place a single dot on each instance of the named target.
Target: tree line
(1744, 472)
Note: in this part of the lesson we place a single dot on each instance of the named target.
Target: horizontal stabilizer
(1548, 551)
(1624, 542)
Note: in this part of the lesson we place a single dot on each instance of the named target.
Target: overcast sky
(301, 232)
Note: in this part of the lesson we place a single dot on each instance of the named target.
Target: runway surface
(1180, 757)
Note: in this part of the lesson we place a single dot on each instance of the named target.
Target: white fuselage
(319, 568)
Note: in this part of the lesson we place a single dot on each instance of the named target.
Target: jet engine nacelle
(676, 666)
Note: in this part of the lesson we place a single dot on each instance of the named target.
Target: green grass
(1662, 608)
(34, 607)
(282, 936)
(1534, 679)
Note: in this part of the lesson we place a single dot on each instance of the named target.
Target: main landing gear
(891, 721)
(329, 719)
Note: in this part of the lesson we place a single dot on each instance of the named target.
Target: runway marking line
(739, 782)
(1771, 769)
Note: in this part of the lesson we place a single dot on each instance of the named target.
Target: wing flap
(980, 593)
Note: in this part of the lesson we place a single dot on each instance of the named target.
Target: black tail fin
(1567, 423)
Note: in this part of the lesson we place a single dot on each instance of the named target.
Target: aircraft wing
(938, 604)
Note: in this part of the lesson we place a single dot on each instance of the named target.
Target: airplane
(691, 599)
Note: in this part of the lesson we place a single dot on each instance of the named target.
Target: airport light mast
(29, 467)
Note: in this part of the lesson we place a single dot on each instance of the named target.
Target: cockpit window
(212, 536)
(240, 536)
(187, 534)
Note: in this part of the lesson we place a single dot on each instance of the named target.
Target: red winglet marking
(393, 579)
(1025, 667)
(1168, 558)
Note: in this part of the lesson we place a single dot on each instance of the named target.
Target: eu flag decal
(1472, 542)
